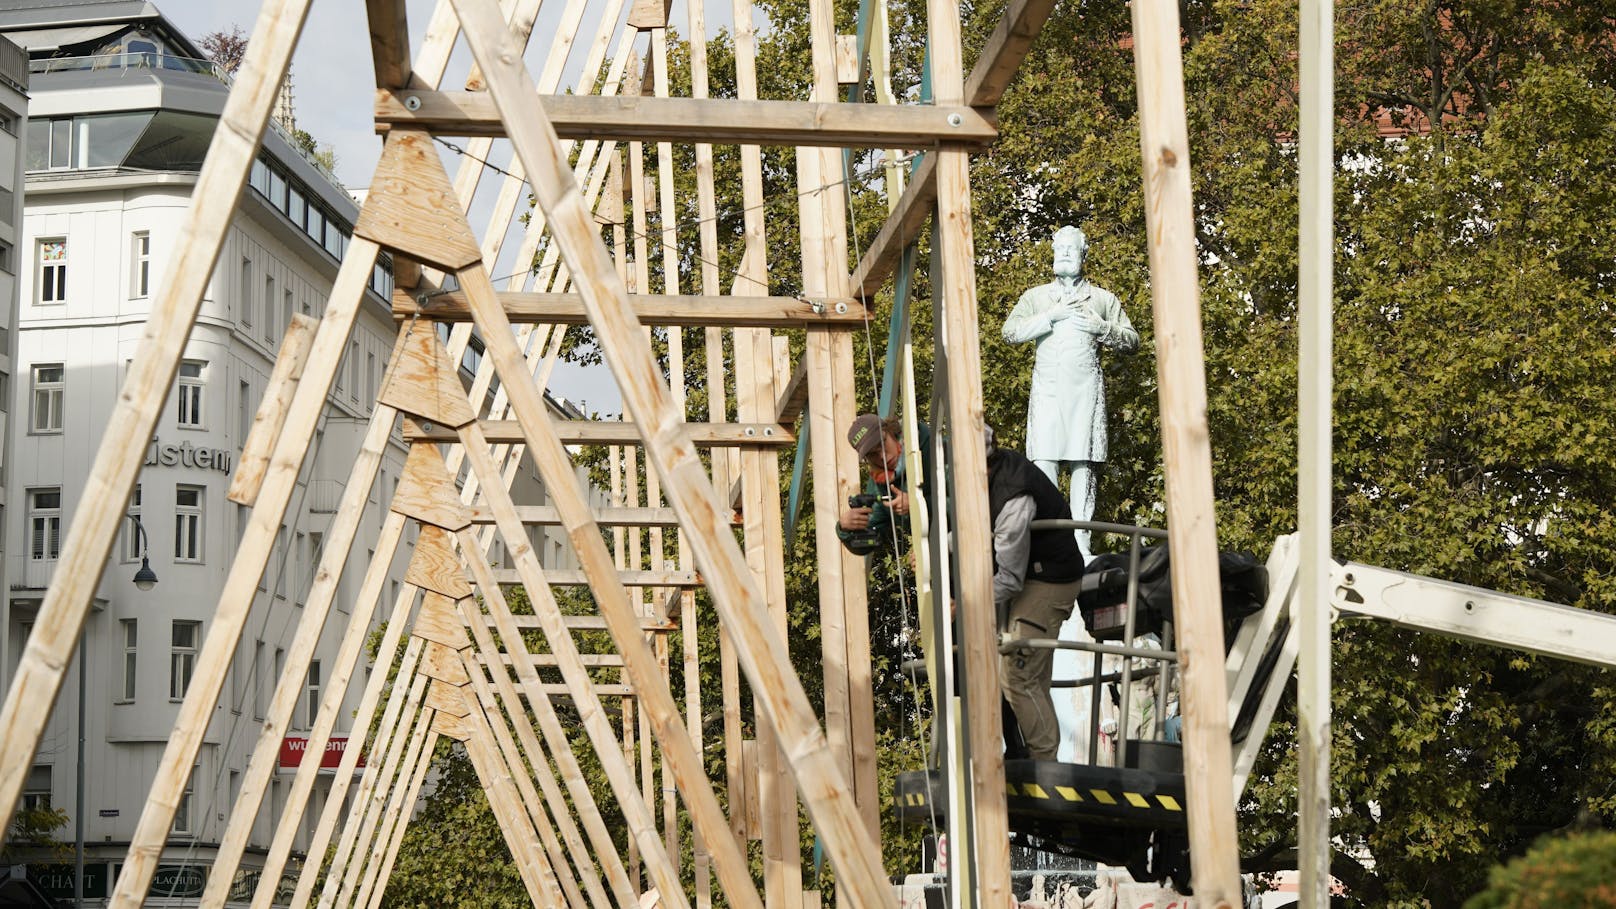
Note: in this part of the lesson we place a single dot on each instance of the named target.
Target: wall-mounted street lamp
(145, 578)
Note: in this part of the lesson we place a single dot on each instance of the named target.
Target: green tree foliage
(1576, 870)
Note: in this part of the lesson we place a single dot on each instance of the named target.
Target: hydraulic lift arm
(1263, 653)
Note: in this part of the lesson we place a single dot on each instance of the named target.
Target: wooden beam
(899, 230)
(591, 660)
(725, 122)
(566, 762)
(603, 432)
(593, 623)
(777, 690)
(405, 679)
(1005, 49)
(681, 310)
(631, 578)
(492, 721)
(271, 413)
(290, 688)
(605, 516)
(389, 42)
(1187, 449)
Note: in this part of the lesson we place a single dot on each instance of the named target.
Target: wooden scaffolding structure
(454, 661)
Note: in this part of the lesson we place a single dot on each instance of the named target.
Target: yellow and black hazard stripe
(1096, 796)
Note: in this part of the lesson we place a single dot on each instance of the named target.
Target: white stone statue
(1070, 319)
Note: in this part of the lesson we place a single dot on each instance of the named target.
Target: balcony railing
(140, 61)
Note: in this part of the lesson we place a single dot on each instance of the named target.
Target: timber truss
(454, 661)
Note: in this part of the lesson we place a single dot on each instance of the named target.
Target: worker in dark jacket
(1036, 576)
(879, 444)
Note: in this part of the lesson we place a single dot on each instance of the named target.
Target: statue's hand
(1086, 320)
(1062, 311)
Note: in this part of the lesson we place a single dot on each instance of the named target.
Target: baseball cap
(865, 434)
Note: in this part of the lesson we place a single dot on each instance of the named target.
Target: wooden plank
(592, 660)
(611, 432)
(518, 811)
(414, 762)
(648, 14)
(777, 690)
(451, 726)
(1005, 49)
(578, 578)
(381, 743)
(307, 770)
(847, 60)
(417, 492)
(594, 623)
(750, 279)
(723, 122)
(1000, 58)
(566, 762)
(547, 516)
(899, 230)
(1187, 450)
(271, 413)
(433, 565)
(443, 663)
(635, 812)
(389, 42)
(32, 692)
(444, 697)
(412, 208)
(416, 388)
(292, 684)
(438, 621)
(360, 837)
(682, 310)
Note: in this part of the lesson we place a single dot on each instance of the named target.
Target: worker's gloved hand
(855, 519)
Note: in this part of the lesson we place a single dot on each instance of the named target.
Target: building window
(131, 536)
(36, 792)
(182, 658)
(353, 370)
(48, 385)
(45, 524)
(53, 271)
(127, 695)
(258, 683)
(286, 308)
(187, 523)
(192, 381)
(246, 293)
(270, 298)
(5, 258)
(182, 812)
(311, 694)
(8, 122)
(140, 257)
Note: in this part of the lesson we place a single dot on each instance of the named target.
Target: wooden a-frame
(451, 677)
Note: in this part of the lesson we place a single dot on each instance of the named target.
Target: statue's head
(1071, 249)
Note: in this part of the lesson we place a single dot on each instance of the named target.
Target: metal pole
(1316, 170)
(78, 799)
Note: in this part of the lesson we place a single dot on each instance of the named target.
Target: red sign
(292, 748)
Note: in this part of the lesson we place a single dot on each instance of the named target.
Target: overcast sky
(333, 85)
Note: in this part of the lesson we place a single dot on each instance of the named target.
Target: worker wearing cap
(879, 445)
